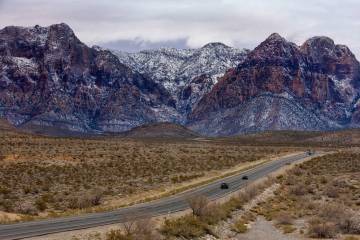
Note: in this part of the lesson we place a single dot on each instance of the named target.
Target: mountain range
(50, 79)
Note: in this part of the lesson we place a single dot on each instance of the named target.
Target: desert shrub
(198, 205)
(331, 192)
(86, 201)
(214, 213)
(187, 227)
(297, 171)
(95, 197)
(290, 181)
(4, 190)
(323, 180)
(332, 212)
(134, 230)
(117, 235)
(284, 219)
(233, 204)
(288, 228)
(298, 190)
(144, 230)
(252, 191)
(7, 205)
(41, 204)
(350, 223)
(90, 236)
(321, 229)
(26, 208)
(239, 226)
(249, 193)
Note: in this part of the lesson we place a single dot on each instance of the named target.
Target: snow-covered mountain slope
(187, 74)
(266, 111)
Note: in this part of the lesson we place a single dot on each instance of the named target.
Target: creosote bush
(320, 229)
(134, 230)
(239, 226)
(187, 227)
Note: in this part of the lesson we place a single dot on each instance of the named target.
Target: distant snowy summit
(187, 74)
(49, 79)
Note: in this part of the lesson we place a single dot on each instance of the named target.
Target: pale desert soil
(263, 229)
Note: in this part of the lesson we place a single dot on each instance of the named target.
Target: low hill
(58, 129)
(161, 130)
(5, 125)
(348, 137)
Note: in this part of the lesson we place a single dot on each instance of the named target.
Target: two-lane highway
(155, 208)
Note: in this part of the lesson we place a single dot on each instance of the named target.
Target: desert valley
(203, 141)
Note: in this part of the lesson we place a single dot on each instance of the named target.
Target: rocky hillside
(5, 125)
(282, 86)
(188, 74)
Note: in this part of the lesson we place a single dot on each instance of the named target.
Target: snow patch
(344, 87)
(24, 62)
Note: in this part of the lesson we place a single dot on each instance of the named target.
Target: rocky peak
(335, 60)
(320, 48)
(215, 45)
(275, 37)
(324, 50)
(275, 47)
(62, 28)
(62, 32)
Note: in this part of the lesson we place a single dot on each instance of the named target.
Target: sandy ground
(263, 229)
(8, 217)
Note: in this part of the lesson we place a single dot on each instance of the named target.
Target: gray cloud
(138, 44)
(239, 23)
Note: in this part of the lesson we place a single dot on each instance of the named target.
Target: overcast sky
(139, 24)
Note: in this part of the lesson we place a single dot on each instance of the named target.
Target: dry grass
(324, 191)
(50, 176)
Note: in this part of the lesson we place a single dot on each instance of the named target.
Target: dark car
(224, 186)
(245, 178)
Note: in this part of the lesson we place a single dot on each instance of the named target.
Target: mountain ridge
(48, 77)
(325, 83)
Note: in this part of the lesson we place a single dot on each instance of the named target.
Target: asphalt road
(155, 208)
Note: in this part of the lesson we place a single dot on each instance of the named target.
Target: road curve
(155, 208)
